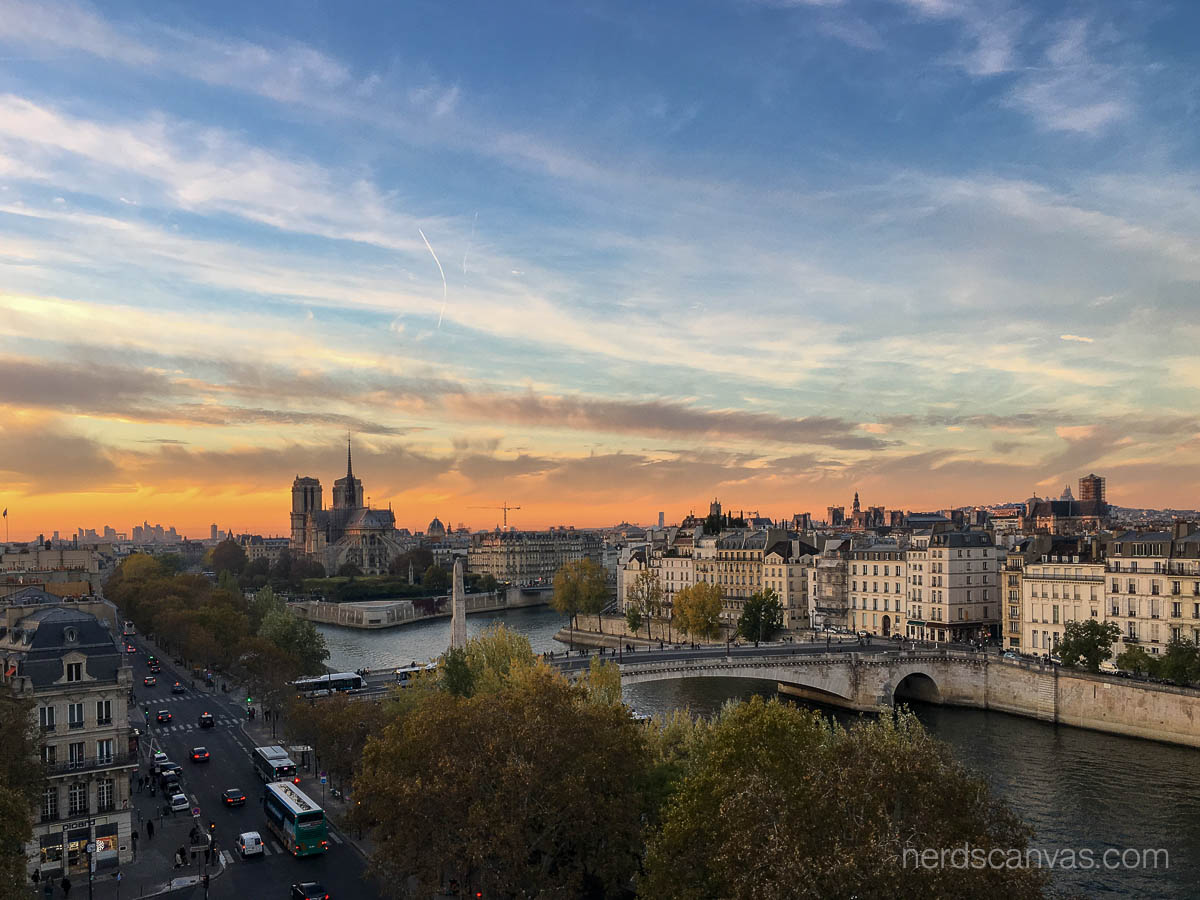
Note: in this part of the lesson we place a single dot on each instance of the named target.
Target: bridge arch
(917, 686)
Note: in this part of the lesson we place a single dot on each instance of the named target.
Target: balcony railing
(47, 726)
(92, 762)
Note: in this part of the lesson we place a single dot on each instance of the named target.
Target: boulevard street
(341, 870)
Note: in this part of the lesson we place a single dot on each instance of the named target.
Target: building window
(103, 712)
(50, 804)
(104, 795)
(74, 715)
(75, 753)
(77, 798)
(104, 751)
(46, 716)
(74, 671)
(49, 754)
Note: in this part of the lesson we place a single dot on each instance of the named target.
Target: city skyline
(594, 262)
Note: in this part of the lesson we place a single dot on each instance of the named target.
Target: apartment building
(878, 578)
(786, 565)
(528, 557)
(960, 591)
(1153, 582)
(70, 666)
(1065, 584)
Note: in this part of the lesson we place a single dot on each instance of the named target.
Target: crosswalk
(194, 726)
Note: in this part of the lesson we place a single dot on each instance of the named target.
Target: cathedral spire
(349, 462)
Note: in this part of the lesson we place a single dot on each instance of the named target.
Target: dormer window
(70, 635)
(74, 671)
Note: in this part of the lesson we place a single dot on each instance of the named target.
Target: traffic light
(249, 700)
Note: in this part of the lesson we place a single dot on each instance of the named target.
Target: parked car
(179, 802)
(249, 844)
(160, 757)
(233, 797)
(1012, 654)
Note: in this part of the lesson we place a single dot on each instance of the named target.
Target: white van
(249, 844)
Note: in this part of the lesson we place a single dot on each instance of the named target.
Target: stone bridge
(862, 681)
(875, 681)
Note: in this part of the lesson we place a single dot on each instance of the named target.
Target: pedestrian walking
(65, 884)
(150, 831)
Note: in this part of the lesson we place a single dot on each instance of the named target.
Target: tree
(435, 580)
(264, 601)
(1087, 644)
(779, 802)
(228, 556)
(633, 617)
(698, 610)
(761, 617)
(580, 586)
(297, 637)
(1181, 662)
(336, 728)
(20, 786)
(647, 595)
(349, 570)
(1134, 659)
(456, 674)
(419, 557)
(602, 682)
(486, 583)
(531, 791)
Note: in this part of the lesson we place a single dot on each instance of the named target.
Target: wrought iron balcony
(86, 763)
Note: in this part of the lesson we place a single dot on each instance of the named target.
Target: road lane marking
(276, 847)
(334, 835)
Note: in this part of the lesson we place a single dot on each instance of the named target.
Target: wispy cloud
(1076, 337)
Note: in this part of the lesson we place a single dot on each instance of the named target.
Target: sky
(594, 259)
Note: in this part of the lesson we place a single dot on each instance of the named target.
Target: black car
(207, 720)
(233, 797)
(177, 688)
(200, 754)
(309, 890)
(164, 715)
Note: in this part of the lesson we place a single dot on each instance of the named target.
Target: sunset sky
(937, 251)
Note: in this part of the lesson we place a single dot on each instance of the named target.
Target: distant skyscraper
(213, 534)
(1092, 487)
(661, 519)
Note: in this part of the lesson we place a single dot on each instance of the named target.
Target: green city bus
(296, 820)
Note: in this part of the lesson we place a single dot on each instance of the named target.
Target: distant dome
(436, 528)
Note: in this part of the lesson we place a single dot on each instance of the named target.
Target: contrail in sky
(470, 242)
(440, 269)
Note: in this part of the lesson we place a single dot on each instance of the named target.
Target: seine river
(1078, 789)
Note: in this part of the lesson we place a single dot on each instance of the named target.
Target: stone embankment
(372, 614)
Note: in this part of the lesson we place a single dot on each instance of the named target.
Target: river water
(1078, 789)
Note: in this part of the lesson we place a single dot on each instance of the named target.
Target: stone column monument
(458, 622)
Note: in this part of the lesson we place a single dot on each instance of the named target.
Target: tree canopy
(777, 802)
(1087, 644)
(762, 616)
(580, 586)
(645, 593)
(528, 791)
(20, 786)
(698, 610)
(228, 556)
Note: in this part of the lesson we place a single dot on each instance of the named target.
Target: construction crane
(503, 506)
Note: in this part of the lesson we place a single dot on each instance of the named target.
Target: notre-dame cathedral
(349, 532)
